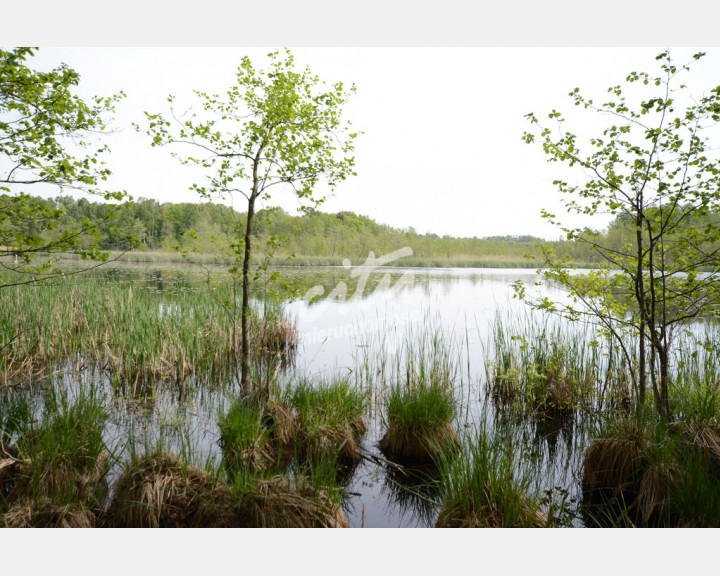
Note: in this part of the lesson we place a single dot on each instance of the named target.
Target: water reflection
(357, 331)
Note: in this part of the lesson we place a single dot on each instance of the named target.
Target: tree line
(208, 228)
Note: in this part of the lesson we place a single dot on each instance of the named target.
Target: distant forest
(209, 228)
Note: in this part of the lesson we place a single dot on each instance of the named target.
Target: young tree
(44, 141)
(654, 170)
(274, 127)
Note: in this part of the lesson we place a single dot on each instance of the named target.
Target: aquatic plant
(483, 486)
(540, 368)
(330, 419)
(58, 463)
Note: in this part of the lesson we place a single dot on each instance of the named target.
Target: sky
(441, 97)
(441, 149)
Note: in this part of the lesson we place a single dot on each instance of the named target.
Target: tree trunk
(663, 404)
(640, 296)
(245, 309)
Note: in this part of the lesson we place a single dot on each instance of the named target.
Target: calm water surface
(354, 322)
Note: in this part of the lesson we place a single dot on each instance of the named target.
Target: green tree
(654, 169)
(46, 135)
(274, 127)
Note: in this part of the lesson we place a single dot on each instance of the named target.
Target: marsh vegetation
(506, 418)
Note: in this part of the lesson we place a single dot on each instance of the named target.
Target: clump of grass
(61, 459)
(44, 513)
(645, 471)
(245, 439)
(614, 462)
(157, 490)
(286, 502)
(420, 403)
(484, 487)
(330, 419)
(419, 420)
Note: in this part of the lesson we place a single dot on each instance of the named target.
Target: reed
(330, 419)
(484, 486)
(133, 332)
(540, 368)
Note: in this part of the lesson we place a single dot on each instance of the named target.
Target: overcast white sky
(442, 149)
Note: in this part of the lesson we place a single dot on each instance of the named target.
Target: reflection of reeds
(414, 489)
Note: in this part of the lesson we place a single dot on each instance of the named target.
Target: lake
(359, 323)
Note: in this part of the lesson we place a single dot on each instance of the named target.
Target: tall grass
(135, 333)
(485, 486)
(546, 369)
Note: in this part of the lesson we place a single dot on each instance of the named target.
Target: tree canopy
(273, 127)
(655, 169)
(47, 140)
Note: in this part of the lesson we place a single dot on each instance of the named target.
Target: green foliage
(654, 169)
(272, 127)
(46, 136)
(330, 419)
(485, 487)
